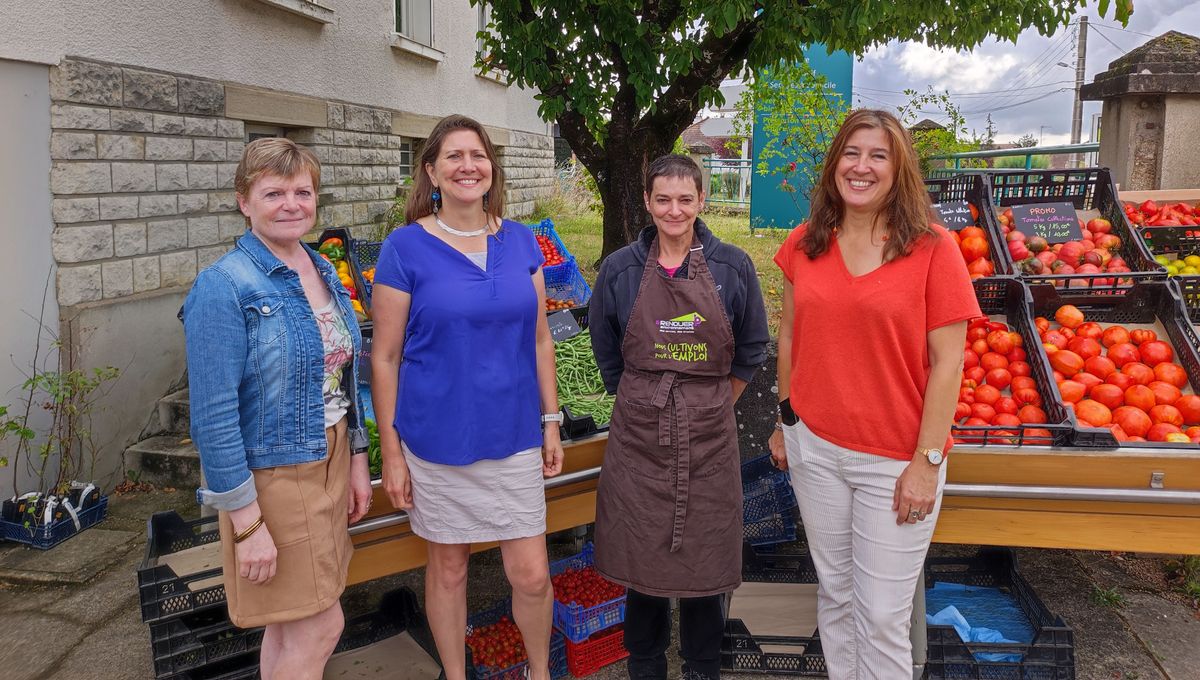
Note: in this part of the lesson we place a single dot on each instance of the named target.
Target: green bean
(580, 387)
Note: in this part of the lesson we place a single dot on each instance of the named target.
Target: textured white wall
(25, 228)
(254, 43)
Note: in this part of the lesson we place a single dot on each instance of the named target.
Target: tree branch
(661, 14)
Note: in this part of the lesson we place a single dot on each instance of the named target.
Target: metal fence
(727, 180)
(1084, 155)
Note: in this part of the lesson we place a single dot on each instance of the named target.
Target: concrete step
(174, 413)
(165, 460)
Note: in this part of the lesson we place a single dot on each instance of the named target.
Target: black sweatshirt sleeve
(750, 334)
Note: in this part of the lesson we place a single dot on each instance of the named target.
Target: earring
(437, 200)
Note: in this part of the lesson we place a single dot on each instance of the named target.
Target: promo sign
(954, 215)
(1056, 222)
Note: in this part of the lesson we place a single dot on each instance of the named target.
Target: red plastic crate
(596, 652)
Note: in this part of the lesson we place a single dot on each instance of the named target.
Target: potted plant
(49, 431)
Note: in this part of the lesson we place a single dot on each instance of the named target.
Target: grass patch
(582, 232)
(1108, 597)
(1185, 572)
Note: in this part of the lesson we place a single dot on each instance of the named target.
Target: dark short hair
(674, 165)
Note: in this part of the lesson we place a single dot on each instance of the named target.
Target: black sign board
(563, 325)
(954, 215)
(1056, 222)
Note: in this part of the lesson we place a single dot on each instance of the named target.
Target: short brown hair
(420, 197)
(674, 165)
(277, 156)
(907, 206)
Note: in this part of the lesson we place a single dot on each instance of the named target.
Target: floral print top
(339, 350)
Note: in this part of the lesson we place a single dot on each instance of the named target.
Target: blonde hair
(420, 197)
(907, 206)
(277, 156)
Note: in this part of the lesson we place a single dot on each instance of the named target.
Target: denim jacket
(255, 370)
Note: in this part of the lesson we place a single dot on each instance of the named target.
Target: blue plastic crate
(50, 535)
(565, 282)
(546, 228)
(766, 491)
(576, 622)
(558, 649)
(777, 528)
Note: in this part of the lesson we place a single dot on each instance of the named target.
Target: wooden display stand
(1072, 503)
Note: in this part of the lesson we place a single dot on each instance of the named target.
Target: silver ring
(916, 514)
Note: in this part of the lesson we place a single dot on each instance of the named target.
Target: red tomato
(1141, 335)
(1133, 420)
(1159, 431)
(1056, 338)
(961, 410)
(1090, 329)
(1189, 408)
(1026, 396)
(1165, 413)
(1172, 373)
(1021, 382)
(1019, 368)
(1123, 353)
(1069, 316)
(986, 394)
(999, 378)
(1066, 362)
(1109, 395)
(1119, 379)
(1085, 347)
(1006, 405)
(1031, 414)
(984, 412)
(970, 358)
(1088, 380)
(1114, 335)
(1141, 373)
(1093, 413)
(1141, 397)
(1071, 391)
(1100, 367)
(1164, 392)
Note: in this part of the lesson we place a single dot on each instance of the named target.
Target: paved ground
(73, 612)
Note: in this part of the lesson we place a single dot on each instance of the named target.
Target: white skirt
(488, 500)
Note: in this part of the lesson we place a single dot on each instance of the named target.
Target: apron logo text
(684, 323)
(681, 351)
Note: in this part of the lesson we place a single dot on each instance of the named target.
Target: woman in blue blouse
(463, 367)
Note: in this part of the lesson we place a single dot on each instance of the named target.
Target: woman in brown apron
(678, 329)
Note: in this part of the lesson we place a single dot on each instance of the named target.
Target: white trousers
(867, 565)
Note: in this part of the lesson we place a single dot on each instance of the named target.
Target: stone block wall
(142, 168)
(528, 162)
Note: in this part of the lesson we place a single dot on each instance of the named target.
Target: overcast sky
(1019, 84)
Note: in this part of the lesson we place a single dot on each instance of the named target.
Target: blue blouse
(468, 387)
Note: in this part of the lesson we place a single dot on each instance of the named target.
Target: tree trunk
(624, 204)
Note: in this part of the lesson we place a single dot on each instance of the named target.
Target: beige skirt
(304, 507)
(488, 500)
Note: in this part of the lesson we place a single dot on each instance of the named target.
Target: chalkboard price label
(1056, 222)
(954, 215)
(563, 325)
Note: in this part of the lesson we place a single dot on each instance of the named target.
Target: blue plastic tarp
(979, 615)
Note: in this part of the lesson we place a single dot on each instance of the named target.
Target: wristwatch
(934, 456)
(552, 417)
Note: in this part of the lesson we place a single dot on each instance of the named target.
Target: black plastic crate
(1142, 304)
(1008, 296)
(165, 594)
(780, 563)
(1049, 656)
(1181, 241)
(363, 256)
(198, 640)
(742, 652)
(1086, 189)
(973, 188)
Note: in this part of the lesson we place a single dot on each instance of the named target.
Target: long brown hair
(907, 206)
(420, 197)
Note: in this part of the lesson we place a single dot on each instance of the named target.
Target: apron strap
(662, 395)
(683, 465)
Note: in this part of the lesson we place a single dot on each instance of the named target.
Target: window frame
(401, 9)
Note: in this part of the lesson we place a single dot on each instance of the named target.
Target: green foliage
(799, 113)
(952, 138)
(1108, 597)
(1040, 162)
(620, 76)
(1026, 140)
(64, 449)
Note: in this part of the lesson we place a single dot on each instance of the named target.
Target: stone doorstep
(76, 560)
(166, 460)
(174, 413)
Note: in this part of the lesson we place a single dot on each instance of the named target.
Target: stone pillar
(1151, 115)
(700, 153)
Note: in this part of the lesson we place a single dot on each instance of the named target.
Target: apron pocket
(714, 448)
(636, 433)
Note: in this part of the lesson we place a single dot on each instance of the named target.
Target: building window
(485, 18)
(414, 20)
(407, 146)
(254, 132)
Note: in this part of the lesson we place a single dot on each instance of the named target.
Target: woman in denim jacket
(271, 342)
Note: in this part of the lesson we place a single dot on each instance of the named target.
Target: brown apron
(669, 501)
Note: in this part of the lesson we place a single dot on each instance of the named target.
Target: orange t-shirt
(860, 357)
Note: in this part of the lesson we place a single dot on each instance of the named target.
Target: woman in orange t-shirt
(875, 310)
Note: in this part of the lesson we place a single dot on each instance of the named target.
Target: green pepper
(333, 251)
